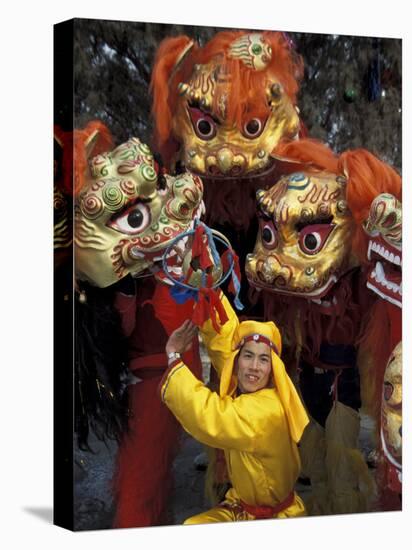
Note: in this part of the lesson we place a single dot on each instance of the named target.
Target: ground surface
(94, 503)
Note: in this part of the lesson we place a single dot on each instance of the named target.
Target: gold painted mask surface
(391, 419)
(384, 230)
(215, 148)
(304, 240)
(124, 216)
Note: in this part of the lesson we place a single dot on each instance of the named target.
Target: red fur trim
(380, 333)
(247, 93)
(342, 327)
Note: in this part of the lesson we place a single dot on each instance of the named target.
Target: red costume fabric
(143, 477)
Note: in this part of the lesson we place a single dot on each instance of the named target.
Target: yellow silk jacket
(252, 429)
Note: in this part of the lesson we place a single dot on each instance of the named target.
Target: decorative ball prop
(194, 274)
(203, 272)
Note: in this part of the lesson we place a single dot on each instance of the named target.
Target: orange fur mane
(247, 91)
(76, 153)
(367, 177)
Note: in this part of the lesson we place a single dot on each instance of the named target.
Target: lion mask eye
(203, 124)
(253, 128)
(268, 234)
(132, 221)
(312, 238)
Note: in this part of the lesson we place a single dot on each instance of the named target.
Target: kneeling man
(257, 417)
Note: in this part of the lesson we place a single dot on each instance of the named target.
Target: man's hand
(181, 339)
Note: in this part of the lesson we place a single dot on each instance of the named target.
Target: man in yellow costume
(257, 418)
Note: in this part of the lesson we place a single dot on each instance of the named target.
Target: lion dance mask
(304, 238)
(222, 111)
(124, 218)
(384, 230)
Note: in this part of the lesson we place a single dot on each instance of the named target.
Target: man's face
(254, 367)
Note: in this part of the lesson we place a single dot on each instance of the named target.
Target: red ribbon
(207, 307)
(225, 260)
(199, 248)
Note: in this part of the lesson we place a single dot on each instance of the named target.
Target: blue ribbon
(181, 294)
(236, 283)
(215, 254)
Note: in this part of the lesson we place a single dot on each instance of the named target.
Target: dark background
(350, 95)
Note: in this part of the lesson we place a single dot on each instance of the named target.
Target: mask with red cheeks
(305, 231)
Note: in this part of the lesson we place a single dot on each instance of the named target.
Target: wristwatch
(172, 356)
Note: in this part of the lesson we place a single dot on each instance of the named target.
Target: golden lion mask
(123, 220)
(304, 239)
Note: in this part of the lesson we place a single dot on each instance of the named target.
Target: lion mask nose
(226, 162)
